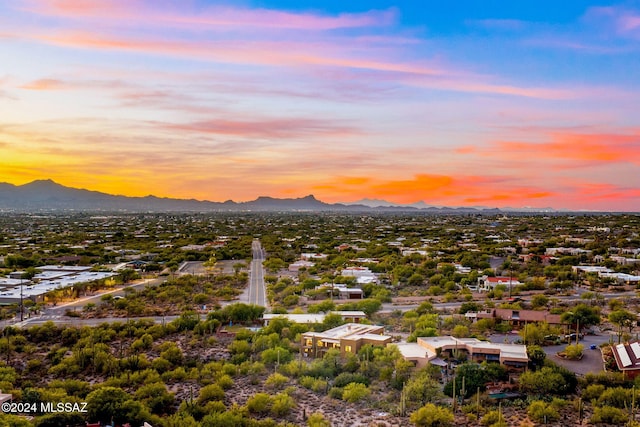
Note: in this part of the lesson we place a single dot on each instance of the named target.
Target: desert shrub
(354, 392)
(317, 420)
(431, 415)
(209, 393)
(259, 403)
(608, 415)
(346, 378)
(574, 351)
(617, 397)
(593, 391)
(282, 404)
(493, 419)
(542, 411)
(276, 380)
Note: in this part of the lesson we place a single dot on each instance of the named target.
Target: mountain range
(47, 195)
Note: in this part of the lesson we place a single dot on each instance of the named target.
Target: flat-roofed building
(488, 284)
(511, 355)
(415, 353)
(432, 349)
(517, 318)
(310, 318)
(296, 266)
(348, 338)
(314, 318)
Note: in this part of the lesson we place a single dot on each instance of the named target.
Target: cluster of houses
(17, 287)
(604, 272)
(353, 335)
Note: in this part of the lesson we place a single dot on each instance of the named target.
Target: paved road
(257, 291)
(96, 299)
(74, 321)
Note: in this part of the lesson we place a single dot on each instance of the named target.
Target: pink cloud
(268, 128)
(298, 54)
(243, 52)
(248, 44)
(622, 20)
(174, 13)
(629, 22)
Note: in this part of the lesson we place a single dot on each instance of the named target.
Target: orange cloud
(518, 195)
(44, 84)
(599, 148)
(433, 189)
(411, 190)
(468, 149)
(355, 180)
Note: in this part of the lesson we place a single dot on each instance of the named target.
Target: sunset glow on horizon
(530, 104)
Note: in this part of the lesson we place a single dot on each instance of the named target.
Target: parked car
(572, 337)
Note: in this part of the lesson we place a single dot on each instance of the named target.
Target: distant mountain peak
(47, 195)
(42, 182)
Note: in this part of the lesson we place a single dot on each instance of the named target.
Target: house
(567, 251)
(409, 252)
(517, 318)
(350, 293)
(488, 284)
(590, 269)
(343, 291)
(510, 355)
(308, 256)
(314, 318)
(626, 261)
(418, 355)
(604, 272)
(622, 278)
(542, 259)
(627, 357)
(296, 266)
(348, 338)
(362, 274)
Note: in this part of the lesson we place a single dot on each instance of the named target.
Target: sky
(465, 103)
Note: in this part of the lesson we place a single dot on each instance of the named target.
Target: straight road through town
(257, 291)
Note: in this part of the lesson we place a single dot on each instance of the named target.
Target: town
(320, 318)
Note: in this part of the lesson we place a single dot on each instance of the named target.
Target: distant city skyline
(474, 103)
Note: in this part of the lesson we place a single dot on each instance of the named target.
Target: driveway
(591, 361)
